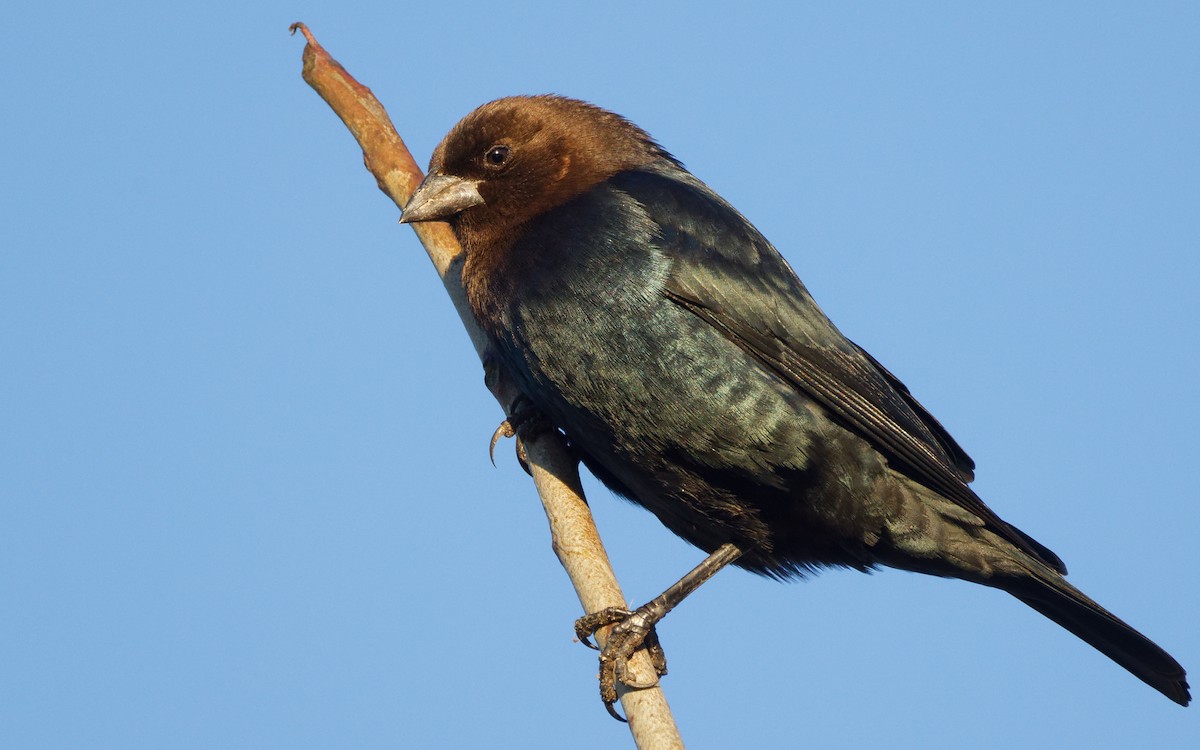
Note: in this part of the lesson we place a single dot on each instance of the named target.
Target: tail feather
(1066, 605)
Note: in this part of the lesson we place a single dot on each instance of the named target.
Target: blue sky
(244, 485)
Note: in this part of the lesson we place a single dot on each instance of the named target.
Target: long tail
(1048, 593)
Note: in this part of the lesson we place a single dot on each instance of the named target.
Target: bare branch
(573, 533)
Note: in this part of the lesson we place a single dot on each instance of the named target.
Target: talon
(632, 630)
(524, 422)
(505, 430)
(522, 457)
(612, 711)
(586, 626)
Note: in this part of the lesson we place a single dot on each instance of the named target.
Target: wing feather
(726, 273)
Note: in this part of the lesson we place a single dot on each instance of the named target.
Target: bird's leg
(525, 422)
(634, 629)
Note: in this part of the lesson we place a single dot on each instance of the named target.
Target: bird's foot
(633, 629)
(525, 422)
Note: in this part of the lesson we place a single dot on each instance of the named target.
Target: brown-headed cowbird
(647, 319)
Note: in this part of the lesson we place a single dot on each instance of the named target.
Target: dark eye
(496, 156)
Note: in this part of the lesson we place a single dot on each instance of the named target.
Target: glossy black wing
(725, 272)
(962, 462)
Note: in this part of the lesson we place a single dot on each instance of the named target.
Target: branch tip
(308, 37)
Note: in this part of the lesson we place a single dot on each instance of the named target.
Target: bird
(690, 370)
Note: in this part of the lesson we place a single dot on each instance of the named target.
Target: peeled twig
(573, 532)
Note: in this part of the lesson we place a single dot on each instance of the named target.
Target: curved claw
(635, 630)
(612, 711)
(632, 630)
(586, 626)
(522, 457)
(505, 430)
(524, 422)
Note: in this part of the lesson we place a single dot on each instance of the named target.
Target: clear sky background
(245, 500)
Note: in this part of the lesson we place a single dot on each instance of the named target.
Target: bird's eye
(496, 156)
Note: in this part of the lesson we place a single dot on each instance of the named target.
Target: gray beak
(440, 196)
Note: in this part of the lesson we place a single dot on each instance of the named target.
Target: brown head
(516, 158)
